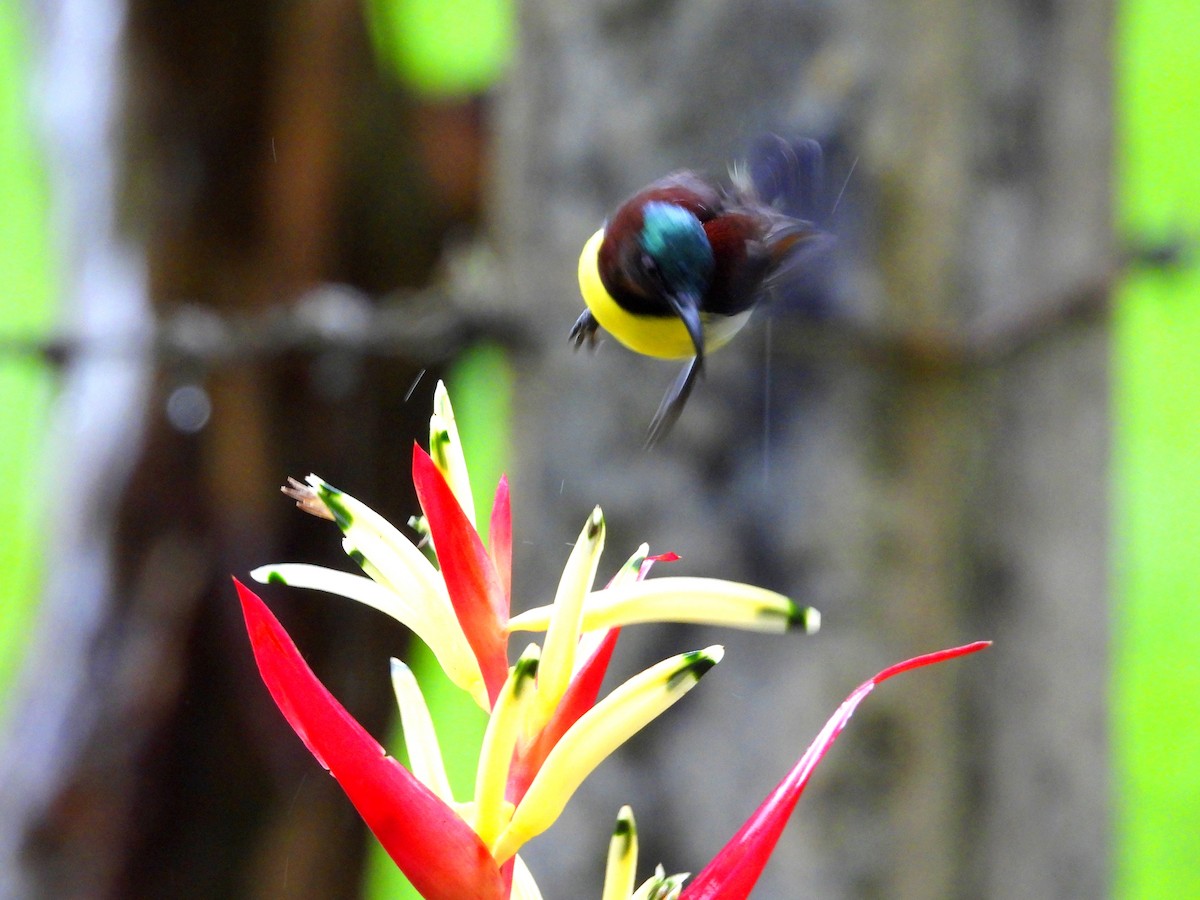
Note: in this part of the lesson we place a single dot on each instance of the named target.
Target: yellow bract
(420, 739)
(445, 449)
(621, 869)
(499, 741)
(562, 633)
(707, 601)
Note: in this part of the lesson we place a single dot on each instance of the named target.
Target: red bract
(435, 849)
(734, 871)
(476, 590)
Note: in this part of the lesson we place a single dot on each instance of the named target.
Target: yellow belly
(661, 336)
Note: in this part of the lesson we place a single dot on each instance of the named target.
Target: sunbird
(677, 270)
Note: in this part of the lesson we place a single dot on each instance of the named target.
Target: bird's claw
(584, 330)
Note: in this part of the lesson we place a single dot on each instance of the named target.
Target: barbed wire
(426, 326)
(432, 325)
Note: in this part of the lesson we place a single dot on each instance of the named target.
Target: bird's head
(674, 256)
(662, 262)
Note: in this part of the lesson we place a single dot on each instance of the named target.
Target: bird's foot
(584, 330)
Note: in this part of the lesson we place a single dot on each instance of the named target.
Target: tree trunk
(932, 466)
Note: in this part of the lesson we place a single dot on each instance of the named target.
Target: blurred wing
(789, 175)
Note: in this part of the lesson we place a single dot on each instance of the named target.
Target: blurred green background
(27, 309)
(1156, 673)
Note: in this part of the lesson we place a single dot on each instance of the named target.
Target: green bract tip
(696, 663)
(332, 498)
(805, 618)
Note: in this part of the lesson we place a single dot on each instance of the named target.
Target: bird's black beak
(687, 307)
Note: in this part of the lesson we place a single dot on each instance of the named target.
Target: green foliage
(443, 48)
(25, 312)
(1156, 689)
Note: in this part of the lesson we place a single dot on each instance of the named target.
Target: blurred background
(243, 241)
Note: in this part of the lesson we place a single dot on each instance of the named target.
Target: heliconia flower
(460, 608)
(547, 728)
(413, 814)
